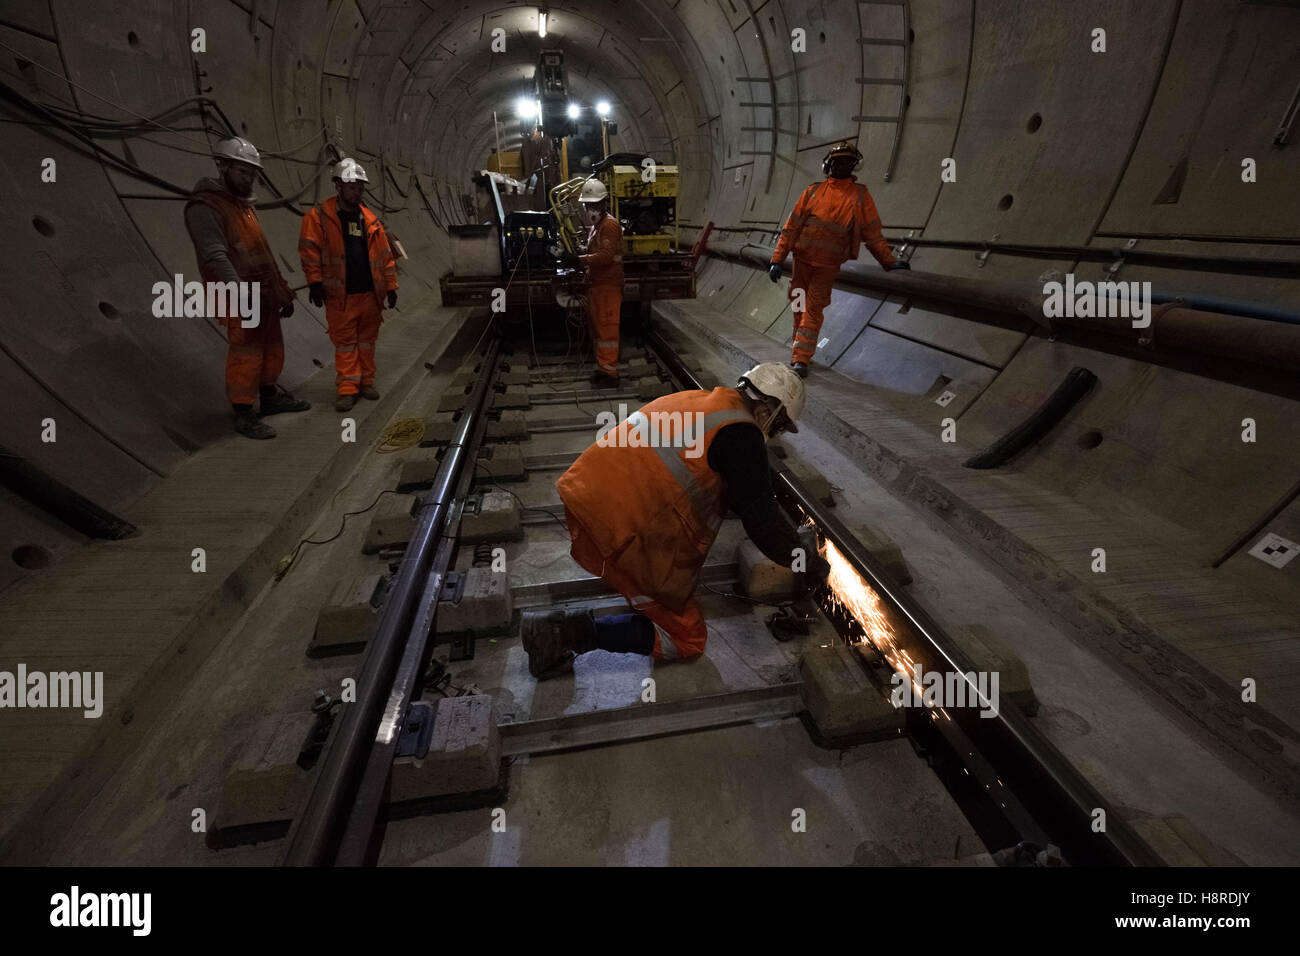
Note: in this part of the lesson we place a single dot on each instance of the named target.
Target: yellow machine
(643, 206)
(508, 162)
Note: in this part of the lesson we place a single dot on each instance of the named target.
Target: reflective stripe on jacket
(828, 222)
(320, 246)
(246, 245)
(604, 259)
(647, 495)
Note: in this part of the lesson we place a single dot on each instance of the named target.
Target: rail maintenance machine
(513, 250)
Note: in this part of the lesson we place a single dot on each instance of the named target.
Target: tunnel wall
(1142, 142)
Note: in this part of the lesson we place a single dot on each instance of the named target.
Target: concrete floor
(877, 803)
(1139, 750)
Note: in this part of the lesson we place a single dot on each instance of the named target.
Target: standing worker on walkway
(645, 502)
(830, 219)
(351, 268)
(231, 247)
(604, 263)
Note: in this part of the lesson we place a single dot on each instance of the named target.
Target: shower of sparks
(853, 596)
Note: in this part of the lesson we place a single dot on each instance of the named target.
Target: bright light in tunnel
(524, 107)
(573, 111)
(603, 108)
(541, 23)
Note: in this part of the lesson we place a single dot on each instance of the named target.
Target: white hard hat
(238, 149)
(781, 382)
(350, 171)
(593, 190)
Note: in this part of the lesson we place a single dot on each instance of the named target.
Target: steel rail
(318, 829)
(1029, 782)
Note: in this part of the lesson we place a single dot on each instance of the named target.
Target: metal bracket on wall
(905, 251)
(1113, 269)
(981, 258)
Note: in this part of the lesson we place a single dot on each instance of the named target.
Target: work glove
(317, 294)
(287, 310)
(564, 256)
(774, 271)
(816, 568)
(897, 264)
(392, 298)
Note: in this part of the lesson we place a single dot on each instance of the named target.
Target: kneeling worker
(644, 504)
(348, 262)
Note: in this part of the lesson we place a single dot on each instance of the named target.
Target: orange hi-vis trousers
(603, 304)
(677, 636)
(255, 357)
(816, 281)
(353, 330)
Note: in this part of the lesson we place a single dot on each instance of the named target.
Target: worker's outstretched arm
(739, 454)
(790, 231)
(605, 247)
(872, 237)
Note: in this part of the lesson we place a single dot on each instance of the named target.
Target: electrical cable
(522, 506)
(285, 563)
(742, 597)
(400, 435)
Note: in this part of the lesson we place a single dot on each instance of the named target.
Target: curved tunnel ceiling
(1053, 144)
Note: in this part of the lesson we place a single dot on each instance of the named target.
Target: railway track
(1006, 782)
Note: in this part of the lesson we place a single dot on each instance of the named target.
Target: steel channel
(624, 724)
(313, 840)
(1060, 802)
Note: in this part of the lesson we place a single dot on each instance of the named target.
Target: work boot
(344, 403)
(800, 368)
(250, 426)
(369, 392)
(279, 400)
(553, 638)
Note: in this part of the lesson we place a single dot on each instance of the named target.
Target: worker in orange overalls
(824, 230)
(604, 263)
(348, 262)
(231, 247)
(644, 503)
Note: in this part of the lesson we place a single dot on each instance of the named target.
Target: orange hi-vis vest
(320, 246)
(604, 258)
(246, 245)
(647, 495)
(828, 222)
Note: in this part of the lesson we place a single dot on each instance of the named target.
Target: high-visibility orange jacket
(828, 222)
(320, 246)
(246, 245)
(604, 258)
(653, 512)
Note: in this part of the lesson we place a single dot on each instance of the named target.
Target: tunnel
(1104, 504)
